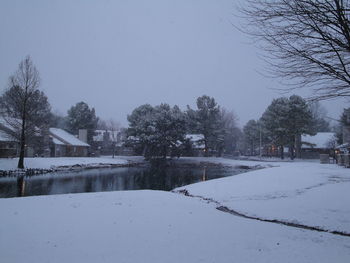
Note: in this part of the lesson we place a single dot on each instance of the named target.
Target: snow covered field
(51, 163)
(156, 226)
(150, 226)
(302, 192)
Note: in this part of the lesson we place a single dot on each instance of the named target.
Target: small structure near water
(64, 144)
(321, 143)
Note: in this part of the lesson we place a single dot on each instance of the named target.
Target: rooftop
(62, 137)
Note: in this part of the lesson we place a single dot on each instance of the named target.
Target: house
(63, 143)
(194, 145)
(321, 143)
(106, 135)
(105, 141)
(112, 142)
(9, 143)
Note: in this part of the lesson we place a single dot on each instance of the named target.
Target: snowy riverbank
(302, 192)
(156, 226)
(9, 164)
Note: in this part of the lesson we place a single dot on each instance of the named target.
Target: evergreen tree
(81, 116)
(158, 131)
(342, 126)
(231, 132)
(299, 122)
(285, 120)
(275, 123)
(141, 127)
(206, 121)
(251, 133)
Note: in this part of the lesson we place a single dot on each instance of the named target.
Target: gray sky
(116, 55)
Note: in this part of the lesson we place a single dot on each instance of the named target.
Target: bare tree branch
(307, 42)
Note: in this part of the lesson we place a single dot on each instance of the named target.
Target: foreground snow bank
(150, 226)
(52, 163)
(303, 192)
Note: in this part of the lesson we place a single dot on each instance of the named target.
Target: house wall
(313, 153)
(57, 150)
(8, 149)
(76, 151)
(346, 134)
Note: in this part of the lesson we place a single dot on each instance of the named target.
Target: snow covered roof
(321, 140)
(5, 128)
(4, 137)
(342, 146)
(196, 139)
(9, 122)
(57, 141)
(65, 138)
(99, 135)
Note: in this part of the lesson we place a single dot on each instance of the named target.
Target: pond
(113, 179)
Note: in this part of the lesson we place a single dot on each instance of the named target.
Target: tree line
(283, 123)
(160, 131)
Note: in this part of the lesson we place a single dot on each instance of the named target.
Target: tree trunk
(164, 152)
(144, 151)
(291, 150)
(282, 152)
(22, 143)
(206, 150)
(298, 146)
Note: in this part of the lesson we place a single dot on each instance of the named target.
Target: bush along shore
(39, 171)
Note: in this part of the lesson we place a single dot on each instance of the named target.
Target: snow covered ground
(150, 226)
(51, 163)
(156, 226)
(302, 192)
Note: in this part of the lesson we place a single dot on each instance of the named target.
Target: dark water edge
(154, 177)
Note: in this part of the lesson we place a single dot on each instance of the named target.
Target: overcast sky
(118, 54)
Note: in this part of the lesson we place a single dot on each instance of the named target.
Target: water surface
(112, 179)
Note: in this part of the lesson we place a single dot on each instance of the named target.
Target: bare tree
(113, 127)
(307, 42)
(23, 106)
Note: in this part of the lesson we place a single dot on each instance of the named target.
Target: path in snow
(275, 221)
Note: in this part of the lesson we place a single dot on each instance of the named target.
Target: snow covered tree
(285, 120)
(81, 116)
(232, 133)
(141, 127)
(24, 107)
(275, 123)
(251, 133)
(342, 127)
(206, 120)
(159, 130)
(299, 122)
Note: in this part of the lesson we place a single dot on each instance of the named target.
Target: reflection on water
(156, 177)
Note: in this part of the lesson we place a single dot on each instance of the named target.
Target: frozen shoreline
(42, 165)
(305, 193)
